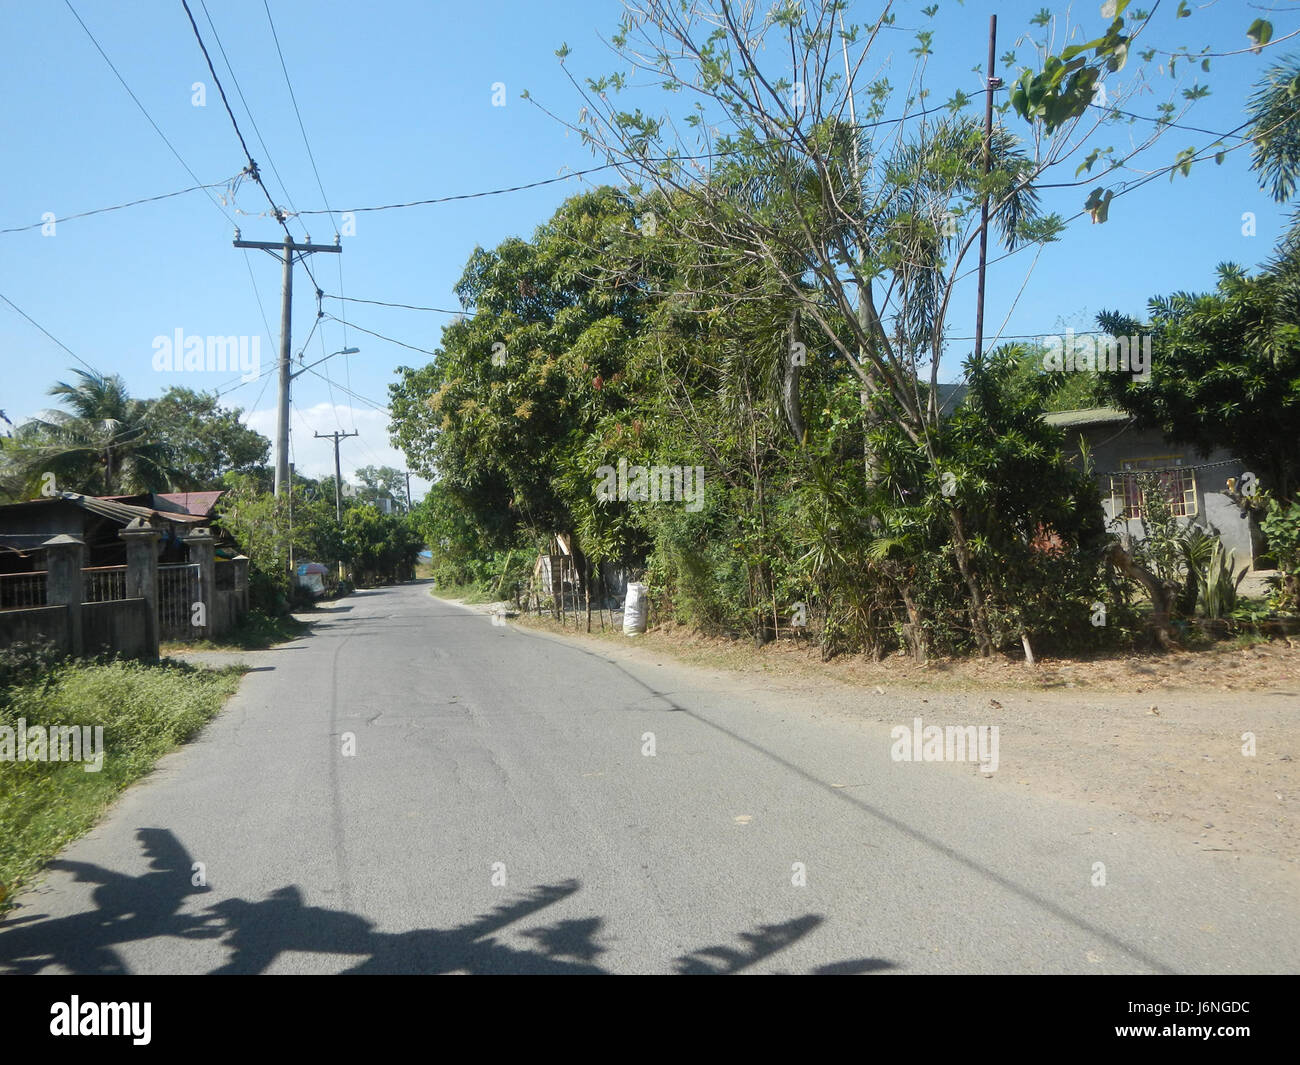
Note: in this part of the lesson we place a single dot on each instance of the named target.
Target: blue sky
(396, 99)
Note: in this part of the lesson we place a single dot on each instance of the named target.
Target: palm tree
(102, 445)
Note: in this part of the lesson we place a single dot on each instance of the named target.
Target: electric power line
(120, 206)
(403, 306)
(50, 335)
(248, 110)
(380, 336)
(144, 112)
(355, 395)
(252, 165)
(293, 99)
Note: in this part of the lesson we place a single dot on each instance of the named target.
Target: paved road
(499, 815)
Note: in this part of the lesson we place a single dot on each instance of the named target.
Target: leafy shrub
(144, 710)
(25, 662)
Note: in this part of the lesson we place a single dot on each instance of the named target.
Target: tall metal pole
(991, 84)
(282, 421)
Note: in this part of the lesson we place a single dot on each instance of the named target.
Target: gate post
(199, 546)
(142, 574)
(241, 585)
(64, 558)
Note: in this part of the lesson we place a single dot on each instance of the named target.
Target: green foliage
(1218, 582)
(514, 388)
(1064, 88)
(381, 548)
(26, 662)
(1275, 131)
(103, 444)
(379, 483)
(1281, 525)
(207, 440)
(261, 525)
(659, 326)
(255, 631)
(144, 711)
(1225, 370)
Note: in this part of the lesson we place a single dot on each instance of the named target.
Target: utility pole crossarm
(285, 252)
(337, 437)
(280, 245)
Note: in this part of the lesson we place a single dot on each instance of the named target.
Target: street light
(298, 373)
(304, 369)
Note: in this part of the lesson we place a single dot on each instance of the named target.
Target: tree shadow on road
(256, 934)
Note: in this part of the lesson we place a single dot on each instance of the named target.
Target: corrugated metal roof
(199, 503)
(123, 512)
(108, 508)
(1080, 419)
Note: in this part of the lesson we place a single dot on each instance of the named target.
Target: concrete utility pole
(408, 491)
(991, 84)
(286, 253)
(338, 477)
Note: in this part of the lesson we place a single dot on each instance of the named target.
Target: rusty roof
(199, 503)
(110, 508)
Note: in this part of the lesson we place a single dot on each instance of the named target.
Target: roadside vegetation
(145, 710)
(776, 318)
(256, 631)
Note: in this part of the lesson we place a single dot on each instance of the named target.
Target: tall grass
(145, 711)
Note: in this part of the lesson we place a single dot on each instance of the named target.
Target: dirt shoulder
(1156, 737)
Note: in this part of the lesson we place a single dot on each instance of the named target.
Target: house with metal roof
(1199, 487)
(93, 573)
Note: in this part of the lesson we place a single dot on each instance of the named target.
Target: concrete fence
(124, 609)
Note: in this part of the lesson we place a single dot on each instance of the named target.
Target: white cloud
(314, 457)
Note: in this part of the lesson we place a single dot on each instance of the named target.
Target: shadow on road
(149, 906)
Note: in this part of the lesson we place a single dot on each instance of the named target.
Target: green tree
(208, 440)
(380, 547)
(380, 482)
(103, 444)
(1225, 370)
(866, 221)
(516, 384)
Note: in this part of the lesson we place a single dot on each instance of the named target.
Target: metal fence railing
(178, 591)
(103, 584)
(18, 591)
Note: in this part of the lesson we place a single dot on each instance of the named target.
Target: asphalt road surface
(412, 788)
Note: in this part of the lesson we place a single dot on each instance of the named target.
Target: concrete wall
(225, 611)
(36, 623)
(1215, 510)
(121, 626)
(127, 626)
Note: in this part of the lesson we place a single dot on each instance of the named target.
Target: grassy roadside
(465, 593)
(256, 631)
(145, 711)
(1243, 664)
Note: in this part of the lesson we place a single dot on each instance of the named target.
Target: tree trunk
(914, 629)
(790, 384)
(978, 613)
(1029, 650)
(1162, 596)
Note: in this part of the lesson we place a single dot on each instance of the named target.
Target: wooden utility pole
(338, 477)
(990, 84)
(286, 253)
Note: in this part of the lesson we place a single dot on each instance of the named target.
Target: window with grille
(1177, 481)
